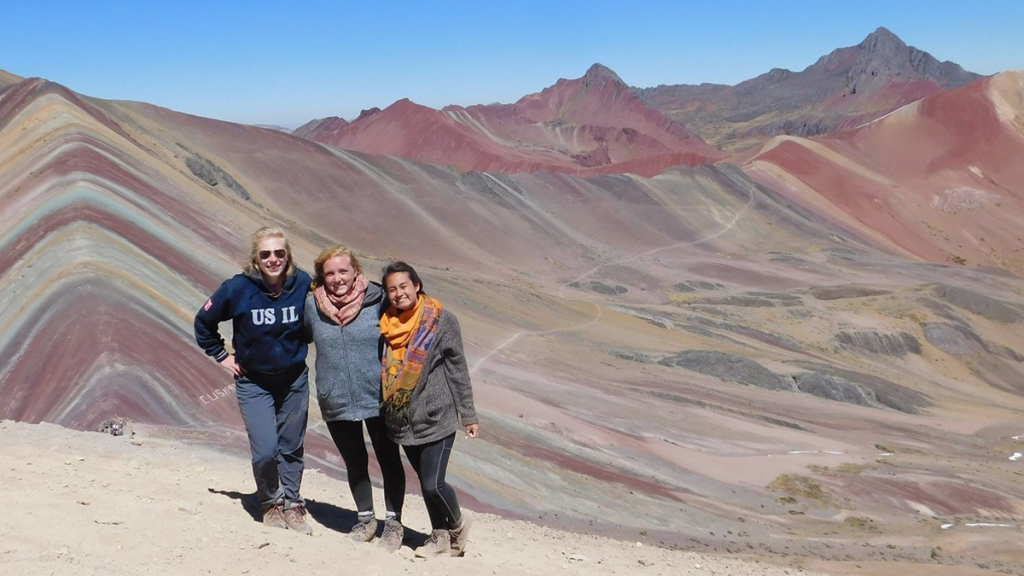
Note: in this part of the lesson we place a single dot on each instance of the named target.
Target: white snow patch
(953, 200)
(987, 525)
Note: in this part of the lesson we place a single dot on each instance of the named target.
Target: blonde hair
(333, 252)
(253, 267)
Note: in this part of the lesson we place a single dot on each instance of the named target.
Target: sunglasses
(280, 253)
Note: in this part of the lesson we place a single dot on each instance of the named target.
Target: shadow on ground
(342, 520)
(327, 515)
(248, 501)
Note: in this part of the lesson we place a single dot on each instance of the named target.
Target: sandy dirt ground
(90, 503)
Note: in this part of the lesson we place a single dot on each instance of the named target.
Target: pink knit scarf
(342, 310)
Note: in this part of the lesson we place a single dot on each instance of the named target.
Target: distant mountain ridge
(589, 125)
(597, 124)
(274, 127)
(320, 128)
(842, 89)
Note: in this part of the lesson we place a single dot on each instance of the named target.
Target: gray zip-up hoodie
(443, 397)
(348, 359)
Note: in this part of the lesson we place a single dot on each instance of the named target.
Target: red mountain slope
(589, 125)
(941, 178)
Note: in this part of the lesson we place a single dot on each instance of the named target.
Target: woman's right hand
(231, 365)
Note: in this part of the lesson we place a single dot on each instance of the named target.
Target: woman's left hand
(472, 430)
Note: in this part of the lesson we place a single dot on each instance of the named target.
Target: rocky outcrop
(751, 300)
(749, 332)
(213, 175)
(695, 285)
(960, 340)
(727, 367)
(848, 291)
(886, 393)
(201, 170)
(600, 287)
(633, 356)
(742, 301)
(788, 299)
(974, 302)
(835, 388)
(875, 342)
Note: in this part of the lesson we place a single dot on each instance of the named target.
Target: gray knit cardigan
(348, 359)
(443, 397)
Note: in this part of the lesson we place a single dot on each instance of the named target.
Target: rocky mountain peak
(884, 56)
(882, 40)
(367, 113)
(599, 72)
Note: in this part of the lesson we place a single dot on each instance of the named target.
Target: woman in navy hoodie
(266, 305)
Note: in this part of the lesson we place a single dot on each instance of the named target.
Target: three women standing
(343, 319)
(265, 304)
(394, 364)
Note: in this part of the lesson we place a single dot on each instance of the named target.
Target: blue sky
(271, 63)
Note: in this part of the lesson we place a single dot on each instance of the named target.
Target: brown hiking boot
(391, 538)
(439, 544)
(295, 518)
(364, 531)
(460, 535)
(273, 517)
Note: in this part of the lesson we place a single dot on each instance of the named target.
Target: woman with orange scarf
(427, 396)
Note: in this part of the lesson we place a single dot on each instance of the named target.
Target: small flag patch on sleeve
(208, 305)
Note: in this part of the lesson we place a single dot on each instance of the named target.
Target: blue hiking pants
(275, 408)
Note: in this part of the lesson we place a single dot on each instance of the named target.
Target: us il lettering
(288, 315)
(264, 316)
(268, 316)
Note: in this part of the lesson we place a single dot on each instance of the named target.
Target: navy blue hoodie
(267, 330)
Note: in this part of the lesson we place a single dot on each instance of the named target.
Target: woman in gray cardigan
(343, 320)
(427, 395)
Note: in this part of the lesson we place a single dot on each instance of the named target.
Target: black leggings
(348, 437)
(430, 461)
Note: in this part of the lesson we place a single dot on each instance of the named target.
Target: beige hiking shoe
(391, 538)
(273, 517)
(439, 544)
(364, 531)
(295, 518)
(460, 535)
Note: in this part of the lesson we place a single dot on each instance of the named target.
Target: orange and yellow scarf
(408, 335)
